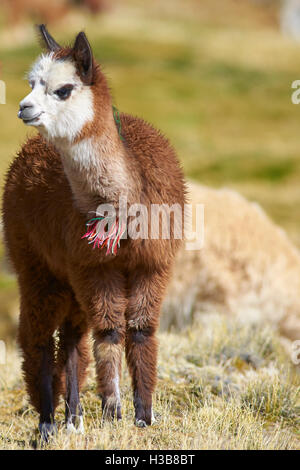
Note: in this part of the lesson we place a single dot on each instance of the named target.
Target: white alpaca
(248, 267)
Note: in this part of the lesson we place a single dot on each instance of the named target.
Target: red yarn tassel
(98, 237)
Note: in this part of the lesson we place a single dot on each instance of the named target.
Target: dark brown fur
(67, 286)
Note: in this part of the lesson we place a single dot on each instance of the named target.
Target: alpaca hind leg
(73, 359)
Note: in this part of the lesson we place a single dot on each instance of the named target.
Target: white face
(59, 104)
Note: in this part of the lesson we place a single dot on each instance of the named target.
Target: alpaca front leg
(142, 317)
(141, 355)
(108, 347)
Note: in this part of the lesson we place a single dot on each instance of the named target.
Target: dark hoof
(144, 422)
(144, 416)
(47, 430)
(143, 412)
(140, 423)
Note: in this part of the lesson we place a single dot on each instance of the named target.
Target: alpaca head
(64, 84)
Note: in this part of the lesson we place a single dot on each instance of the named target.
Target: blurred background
(215, 76)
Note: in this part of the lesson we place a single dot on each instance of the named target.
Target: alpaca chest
(96, 172)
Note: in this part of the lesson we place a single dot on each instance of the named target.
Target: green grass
(274, 400)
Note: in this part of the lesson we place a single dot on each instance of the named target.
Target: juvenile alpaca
(82, 158)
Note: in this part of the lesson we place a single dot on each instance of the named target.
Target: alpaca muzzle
(27, 116)
(26, 112)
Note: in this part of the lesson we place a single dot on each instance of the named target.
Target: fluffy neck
(97, 167)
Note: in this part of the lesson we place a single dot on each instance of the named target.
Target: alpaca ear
(47, 39)
(83, 56)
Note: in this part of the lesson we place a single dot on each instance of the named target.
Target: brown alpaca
(79, 160)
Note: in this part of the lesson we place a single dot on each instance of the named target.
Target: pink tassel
(100, 238)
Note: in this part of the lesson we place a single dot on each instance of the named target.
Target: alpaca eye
(64, 92)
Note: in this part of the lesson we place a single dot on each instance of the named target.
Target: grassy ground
(221, 386)
(216, 78)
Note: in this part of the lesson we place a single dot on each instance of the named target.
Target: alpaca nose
(25, 105)
(25, 110)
